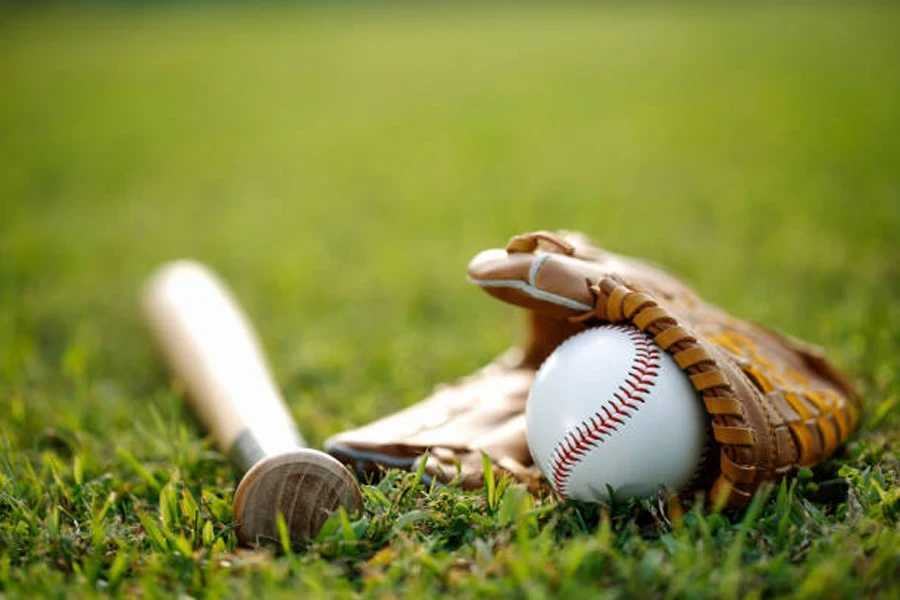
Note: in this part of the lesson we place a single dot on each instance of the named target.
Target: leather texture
(774, 402)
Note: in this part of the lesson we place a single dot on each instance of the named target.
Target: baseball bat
(211, 347)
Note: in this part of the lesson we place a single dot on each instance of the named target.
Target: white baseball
(610, 408)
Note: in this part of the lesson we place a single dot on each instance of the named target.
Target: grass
(339, 166)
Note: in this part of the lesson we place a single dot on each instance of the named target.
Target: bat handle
(212, 349)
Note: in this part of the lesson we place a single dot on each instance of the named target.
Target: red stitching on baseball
(591, 432)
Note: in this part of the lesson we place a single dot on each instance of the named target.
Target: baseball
(608, 410)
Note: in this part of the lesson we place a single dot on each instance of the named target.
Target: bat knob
(304, 485)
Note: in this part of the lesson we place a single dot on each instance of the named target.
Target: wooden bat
(211, 347)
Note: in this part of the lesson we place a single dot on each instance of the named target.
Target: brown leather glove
(774, 403)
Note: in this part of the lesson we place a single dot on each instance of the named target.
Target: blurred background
(340, 163)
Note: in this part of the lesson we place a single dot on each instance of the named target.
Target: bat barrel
(213, 350)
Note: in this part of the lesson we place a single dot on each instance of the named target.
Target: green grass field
(339, 166)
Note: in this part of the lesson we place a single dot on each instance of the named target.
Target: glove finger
(556, 279)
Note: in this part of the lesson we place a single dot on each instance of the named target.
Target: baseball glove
(775, 403)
